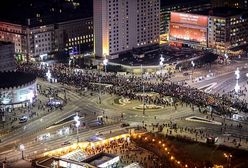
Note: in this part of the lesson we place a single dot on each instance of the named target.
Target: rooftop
(222, 12)
(15, 79)
(99, 159)
(165, 3)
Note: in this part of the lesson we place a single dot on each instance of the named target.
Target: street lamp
(228, 158)
(237, 73)
(161, 63)
(237, 87)
(105, 63)
(143, 88)
(76, 119)
(22, 148)
(48, 75)
(193, 65)
(226, 58)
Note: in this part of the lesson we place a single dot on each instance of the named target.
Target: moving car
(66, 143)
(23, 119)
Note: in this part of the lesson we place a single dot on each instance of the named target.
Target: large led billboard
(187, 33)
(188, 28)
(192, 19)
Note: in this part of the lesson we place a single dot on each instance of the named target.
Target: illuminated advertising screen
(191, 34)
(188, 28)
(186, 18)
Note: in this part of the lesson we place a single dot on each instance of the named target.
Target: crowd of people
(129, 153)
(129, 86)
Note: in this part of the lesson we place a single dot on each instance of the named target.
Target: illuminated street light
(237, 87)
(48, 75)
(22, 148)
(237, 73)
(76, 119)
(228, 159)
(105, 63)
(193, 65)
(161, 63)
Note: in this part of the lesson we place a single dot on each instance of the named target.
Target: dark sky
(20, 10)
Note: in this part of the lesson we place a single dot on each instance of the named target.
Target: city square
(124, 84)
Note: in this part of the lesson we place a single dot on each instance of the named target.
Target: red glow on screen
(192, 19)
(181, 32)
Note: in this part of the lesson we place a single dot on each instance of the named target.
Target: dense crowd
(129, 86)
(129, 153)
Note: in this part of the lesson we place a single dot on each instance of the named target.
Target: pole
(77, 136)
(143, 89)
(22, 155)
(100, 90)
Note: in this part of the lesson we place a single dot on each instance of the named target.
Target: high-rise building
(178, 6)
(230, 3)
(120, 25)
(7, 58)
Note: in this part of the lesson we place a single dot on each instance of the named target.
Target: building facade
(120, 25)
(227, 29)
(16, 34)
(7, 58)
(74, 34)
(40, 40)
(33, 41)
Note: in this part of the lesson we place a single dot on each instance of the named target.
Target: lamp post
(228, 159)
(143, 88)
(22, 148)
(237, 87)
(161, 63)
(193, 65)
(226, 58)
(76, 119)
(48, 75)
(105, 63)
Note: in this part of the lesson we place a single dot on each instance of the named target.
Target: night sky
(20, 10)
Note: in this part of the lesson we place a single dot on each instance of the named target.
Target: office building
(74, 34)
(7, 59)
(40, 40)
(123, 25)
(227, 29)
(16, 34)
